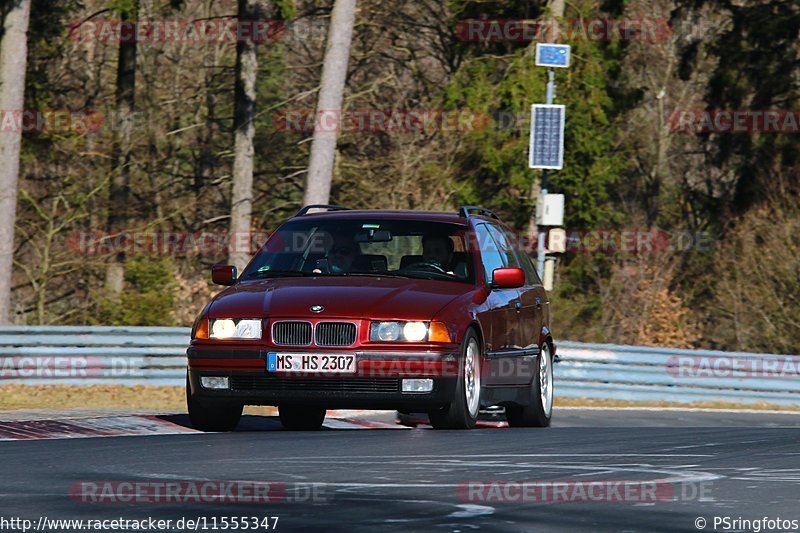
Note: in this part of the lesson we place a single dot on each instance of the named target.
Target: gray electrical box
(550, 210)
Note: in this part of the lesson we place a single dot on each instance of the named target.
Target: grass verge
(172, 399)
(146, 398)
(591, 402)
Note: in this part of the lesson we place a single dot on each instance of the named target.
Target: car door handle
(538, 303)
(517, 305)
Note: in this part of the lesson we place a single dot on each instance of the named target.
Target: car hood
(346, 297)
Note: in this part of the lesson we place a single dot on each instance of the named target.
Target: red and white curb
(129, 426)
(366, 419)
(116, 426)
(359, 423)
(139, 425)
(361, 419)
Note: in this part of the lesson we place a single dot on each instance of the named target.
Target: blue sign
(552, 55)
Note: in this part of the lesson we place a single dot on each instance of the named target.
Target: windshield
(402, 248)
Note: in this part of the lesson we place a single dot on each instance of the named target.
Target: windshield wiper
(265, 274)
(438, 276)
(371, 275)
(278, 274)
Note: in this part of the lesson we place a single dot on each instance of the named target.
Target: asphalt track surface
(705, 464)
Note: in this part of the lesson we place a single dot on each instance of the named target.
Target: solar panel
(547, 136)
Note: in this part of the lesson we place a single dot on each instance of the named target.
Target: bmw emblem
(317, 309)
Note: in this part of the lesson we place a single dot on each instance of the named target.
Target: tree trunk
(119, 191)
(331, 91)
(244, 132)
(13, 60)
(557, 8)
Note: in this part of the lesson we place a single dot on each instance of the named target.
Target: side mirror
(508, 278)
(223, 274)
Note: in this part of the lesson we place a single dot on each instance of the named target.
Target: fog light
(214, 382)
(417, 385)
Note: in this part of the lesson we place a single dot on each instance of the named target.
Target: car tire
(407, 419)
(301, 418)
(462, 412)
(540, 410)
(212, 417)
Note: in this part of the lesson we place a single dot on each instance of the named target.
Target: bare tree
(557, 8)
(13, 61)
(244, 132)
(121, 151)
(334, 76)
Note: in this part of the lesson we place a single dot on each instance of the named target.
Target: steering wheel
(426, 265)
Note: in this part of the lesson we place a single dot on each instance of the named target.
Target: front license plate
(311, 362)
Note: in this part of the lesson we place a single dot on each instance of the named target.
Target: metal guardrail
(671, 375)
(93, 355)
(79, 355)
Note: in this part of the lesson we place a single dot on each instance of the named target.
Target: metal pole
(540, 253)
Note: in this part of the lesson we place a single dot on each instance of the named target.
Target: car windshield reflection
(370, 248)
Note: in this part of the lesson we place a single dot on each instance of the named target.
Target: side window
(490, 253)
(530, 271)
(505, 246)
(524, 261)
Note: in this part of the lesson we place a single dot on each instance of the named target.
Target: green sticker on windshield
(371, 226)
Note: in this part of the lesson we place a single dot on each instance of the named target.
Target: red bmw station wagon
(410, 311)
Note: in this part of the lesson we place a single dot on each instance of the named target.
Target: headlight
(415, 331)
(387, 331)
(226, 328)
(398, 331)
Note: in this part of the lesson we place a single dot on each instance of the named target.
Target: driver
(438, 250)
(341, 255)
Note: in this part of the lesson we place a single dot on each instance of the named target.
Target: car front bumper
(377, 383)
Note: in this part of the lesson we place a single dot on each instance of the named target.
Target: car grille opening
(291, 333)
(335, 334)
(268, 383)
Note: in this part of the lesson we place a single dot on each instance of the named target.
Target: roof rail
(307, 208)
(464, 211)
